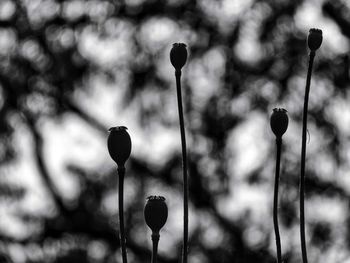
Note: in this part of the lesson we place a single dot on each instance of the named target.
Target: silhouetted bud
(178, 55)
(279, 122)
(314, 40)
(119, 144)
(156, 213)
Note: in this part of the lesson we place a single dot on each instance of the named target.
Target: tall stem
(121, 174)
(155, 240)
(275, 200)
(184, 165)
(303, 155)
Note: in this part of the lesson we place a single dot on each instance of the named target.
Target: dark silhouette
(279, 124)
(314, 41)
(178, 57)
(156, 214)
(71, 69)
(119, 148)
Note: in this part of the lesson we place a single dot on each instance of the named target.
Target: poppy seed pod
(178, 55)
(119, 144)
(156, 213)
(279, 122)
(314, 40)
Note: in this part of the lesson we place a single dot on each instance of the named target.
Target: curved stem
(121, 174)
(303, 155)
(184, 164)
(155, 240)
(275, 200)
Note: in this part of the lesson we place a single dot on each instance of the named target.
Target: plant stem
(303, 154)
(184, 165)
(121, 174)
(275, 200)
(155, 240)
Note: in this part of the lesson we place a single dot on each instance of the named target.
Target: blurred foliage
(246, 57)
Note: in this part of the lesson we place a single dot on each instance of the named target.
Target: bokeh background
(69, 70)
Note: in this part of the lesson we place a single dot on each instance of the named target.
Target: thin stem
(121, 174)
(275, 200)
(303, 155)
(155, 240)
(184, 165)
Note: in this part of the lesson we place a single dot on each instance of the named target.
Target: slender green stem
(184, 165)
(121, 174)
(155, 240)
(303, 155)
(275, 200)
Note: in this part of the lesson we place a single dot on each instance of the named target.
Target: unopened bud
(156, 213)
(119, 145)
(178, 55)
(279, 122)
(314, 40)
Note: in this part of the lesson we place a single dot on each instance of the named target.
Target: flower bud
(178, 55)
(119, 144)
(156, 213)
(314, 40)
(279, 122)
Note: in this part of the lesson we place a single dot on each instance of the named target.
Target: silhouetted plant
(156, 214)
(279, 125)
(314, 41)
(47, 70)
(119, 147)
(178, 57)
